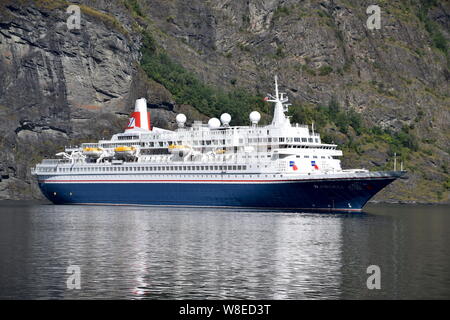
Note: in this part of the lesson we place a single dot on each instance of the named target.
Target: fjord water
(161, 253)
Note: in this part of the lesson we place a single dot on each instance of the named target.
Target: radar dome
(181, 119)
(255, 116)
(225, 118)
(214, 123)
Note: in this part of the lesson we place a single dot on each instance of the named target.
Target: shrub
(325, 70)
(134, 6)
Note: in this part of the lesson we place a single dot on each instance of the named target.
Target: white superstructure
(274, 150)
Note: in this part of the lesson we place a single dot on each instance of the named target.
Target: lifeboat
(92, 152)
(220, 151)
(125, 151)
(178, 148)
(181, 150)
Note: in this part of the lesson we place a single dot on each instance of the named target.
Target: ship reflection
(148, 253)
(236, 255)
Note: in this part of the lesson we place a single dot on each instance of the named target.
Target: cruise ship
(214, 164)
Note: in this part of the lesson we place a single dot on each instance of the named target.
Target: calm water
(136, 253)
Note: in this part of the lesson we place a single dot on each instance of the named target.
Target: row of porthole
(70, 193)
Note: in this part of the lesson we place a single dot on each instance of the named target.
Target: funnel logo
(140, 117)
(131, 123)
(135, 120)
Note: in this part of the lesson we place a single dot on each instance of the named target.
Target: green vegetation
(447, 184)
(325, 70)
(437, 38)
(302, 13)
(330, 114)
(281, 12)
(188, 89)
(322, 71)
(350, 123)
(51, 4)
(134, 7)
(280, 53)
(305, 68)
(401, 142)
(243, 47)
(246, 20)
(109, 20)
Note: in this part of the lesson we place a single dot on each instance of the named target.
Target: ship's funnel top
(140, 118)
(140, 105)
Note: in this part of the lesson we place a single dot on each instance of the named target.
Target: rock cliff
(60, 86)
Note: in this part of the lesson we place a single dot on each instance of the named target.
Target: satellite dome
(225, 118)
(214, 123)
(181, 119)
(255, 116)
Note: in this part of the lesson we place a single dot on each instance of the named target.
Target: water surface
(157, 253)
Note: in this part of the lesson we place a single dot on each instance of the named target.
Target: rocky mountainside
(60, 87)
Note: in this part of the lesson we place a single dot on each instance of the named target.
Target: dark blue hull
(327, 195)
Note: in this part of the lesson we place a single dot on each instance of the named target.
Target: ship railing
(301, 126)
(54, 161)
(86, 145)
(355, 170)
(50, 161)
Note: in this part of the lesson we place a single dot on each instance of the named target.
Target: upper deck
(275, 148)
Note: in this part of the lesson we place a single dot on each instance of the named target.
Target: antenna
(312, 126)
(395, 161)
(276, 86)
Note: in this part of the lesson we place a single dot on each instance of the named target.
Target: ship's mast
(279, 119)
